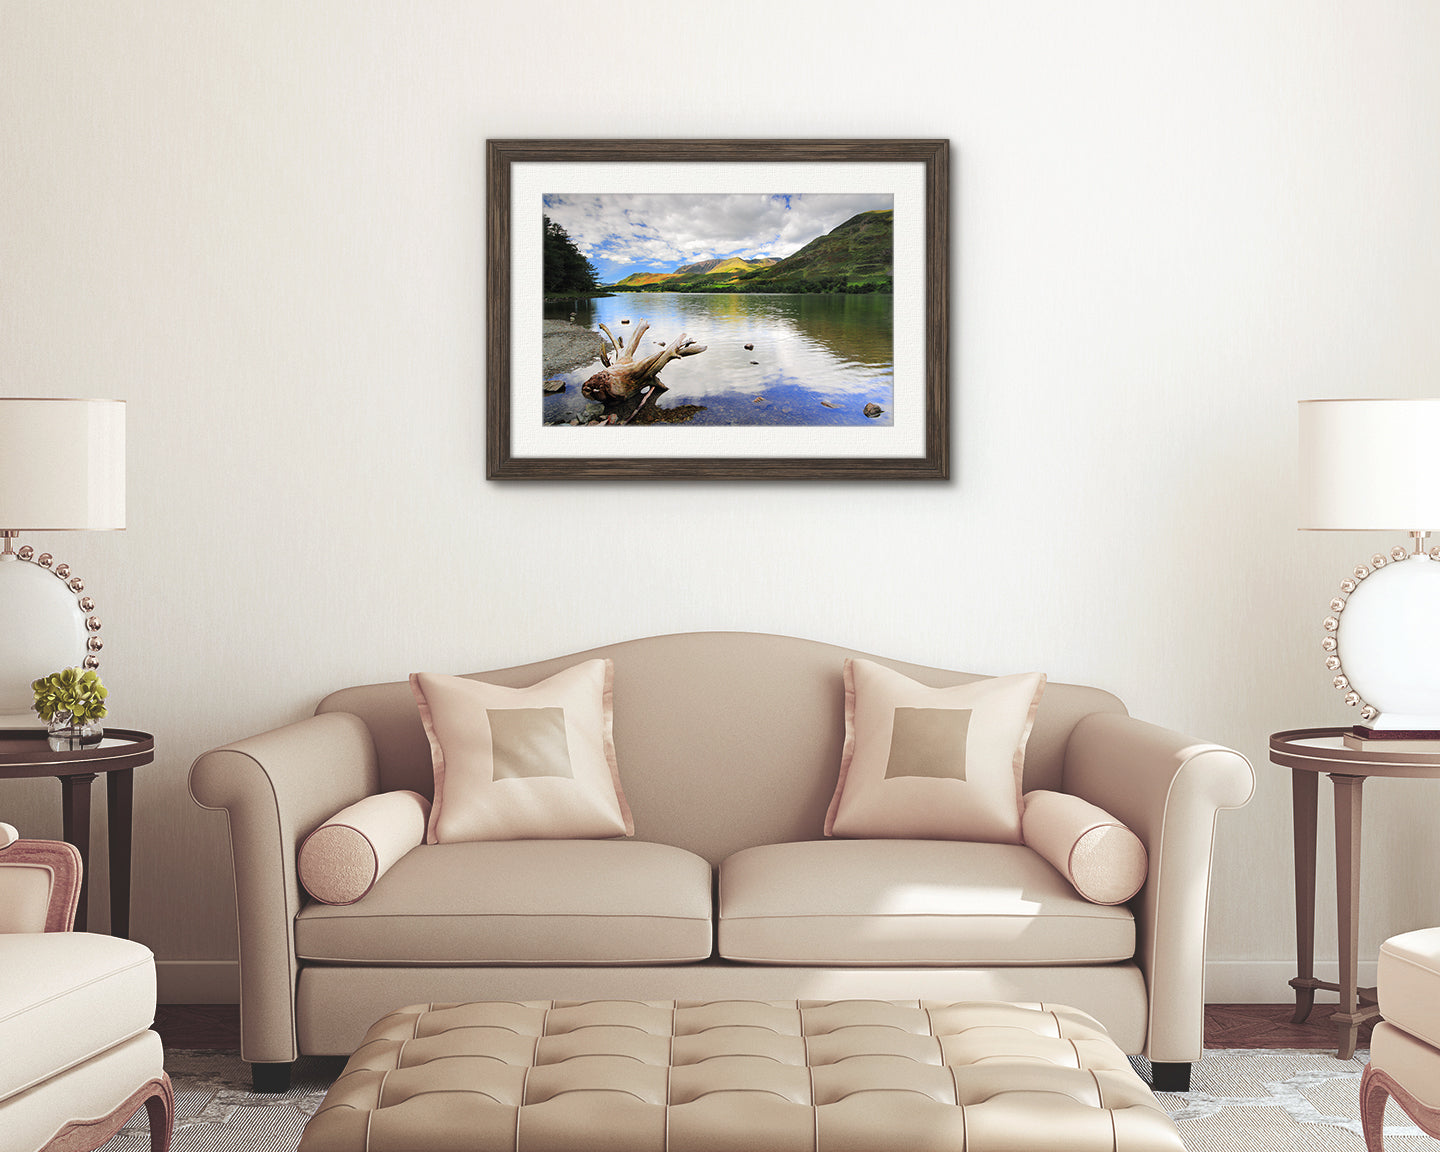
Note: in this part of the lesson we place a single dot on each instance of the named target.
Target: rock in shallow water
(873, 410)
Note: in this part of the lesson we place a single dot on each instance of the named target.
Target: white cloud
(640, 230)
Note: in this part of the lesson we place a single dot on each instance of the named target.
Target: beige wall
(262, 225)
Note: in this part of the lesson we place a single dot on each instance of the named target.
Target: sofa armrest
(1167, 789)
(274, 788)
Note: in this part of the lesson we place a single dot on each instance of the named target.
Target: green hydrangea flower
(70, 693)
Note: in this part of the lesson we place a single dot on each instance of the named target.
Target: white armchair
(1405, 1046)
(77, 1056)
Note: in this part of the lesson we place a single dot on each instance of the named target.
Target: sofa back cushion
(724, 740)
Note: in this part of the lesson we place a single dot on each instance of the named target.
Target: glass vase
(66, 734)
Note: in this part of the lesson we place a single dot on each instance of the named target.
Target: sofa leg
(1170, 1077)
(270, 1077)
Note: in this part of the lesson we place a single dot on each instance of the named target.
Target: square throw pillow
(533, 763)
(924, 763)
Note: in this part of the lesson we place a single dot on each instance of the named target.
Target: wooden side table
(25, 752)
(1308, 752)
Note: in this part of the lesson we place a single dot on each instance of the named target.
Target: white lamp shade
(1369, 464)
(62, 464)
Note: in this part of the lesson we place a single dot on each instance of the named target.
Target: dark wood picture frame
(503, 464)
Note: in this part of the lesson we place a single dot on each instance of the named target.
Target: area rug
(1264, 1099)
(1241, 1099)
(215, 1111)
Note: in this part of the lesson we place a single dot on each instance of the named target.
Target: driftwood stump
(627, 385)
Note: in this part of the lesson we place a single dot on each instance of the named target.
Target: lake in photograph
(769, 359)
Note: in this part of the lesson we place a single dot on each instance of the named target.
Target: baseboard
(1226, 981)
(197, 981)
(1268, 981)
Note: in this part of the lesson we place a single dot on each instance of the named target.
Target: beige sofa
(728, 743)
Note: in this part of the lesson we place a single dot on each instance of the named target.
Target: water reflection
(814, 359)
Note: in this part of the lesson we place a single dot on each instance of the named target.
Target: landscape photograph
(718, 309)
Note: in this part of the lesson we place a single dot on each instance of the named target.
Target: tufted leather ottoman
(732, 1075)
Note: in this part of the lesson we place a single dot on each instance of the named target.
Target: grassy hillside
(731, 264)
(856, 256)
(639, 279)
(705, 272)
(859, 252)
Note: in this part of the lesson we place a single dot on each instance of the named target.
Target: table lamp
(1372, 465)
(62, 467)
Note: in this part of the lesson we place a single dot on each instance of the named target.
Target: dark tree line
(565, 269)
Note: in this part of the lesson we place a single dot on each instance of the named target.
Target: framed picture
(717, 309)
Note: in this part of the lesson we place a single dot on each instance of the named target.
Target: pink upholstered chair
(1405, 1046)
(77, 1056)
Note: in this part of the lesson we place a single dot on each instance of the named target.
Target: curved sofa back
(724, 740)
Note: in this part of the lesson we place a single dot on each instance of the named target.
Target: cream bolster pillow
(1104, 861)
(343, 858)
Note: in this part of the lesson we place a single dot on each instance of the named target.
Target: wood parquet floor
(1269, 1026)
(217, 1026)
(210, 1026)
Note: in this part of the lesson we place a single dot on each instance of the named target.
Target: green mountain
(857, 252)
(856, 256)
(728, 264)
(639, 279)
(703, 271)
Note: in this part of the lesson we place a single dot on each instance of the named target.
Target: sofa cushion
(523, 763)
(87, 1091)
(1408, 981)
(522, 902)
(1411, 1062)
(66, 996)
(910, 902)
(932, 763)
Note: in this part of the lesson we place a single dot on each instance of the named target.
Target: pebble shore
(567, 346)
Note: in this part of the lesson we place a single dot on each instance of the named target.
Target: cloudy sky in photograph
(621, 234)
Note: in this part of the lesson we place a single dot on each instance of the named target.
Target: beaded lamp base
(1382, 639)
(47, 621)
